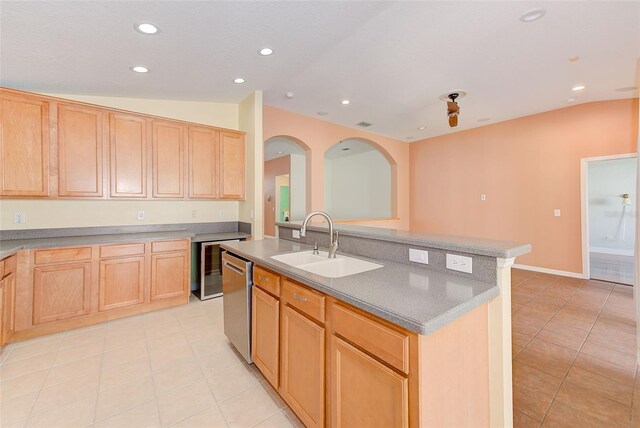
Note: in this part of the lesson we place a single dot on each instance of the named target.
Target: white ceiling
(277, 147)
(391, 59)
(355, 147)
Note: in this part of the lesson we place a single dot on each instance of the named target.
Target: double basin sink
(320, 264)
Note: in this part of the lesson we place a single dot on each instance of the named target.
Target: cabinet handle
(263, 278)
(299, 297)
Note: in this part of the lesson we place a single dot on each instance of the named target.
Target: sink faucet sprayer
(333, 239)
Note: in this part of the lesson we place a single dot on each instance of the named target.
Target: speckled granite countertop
(9, 247)
(415, 298)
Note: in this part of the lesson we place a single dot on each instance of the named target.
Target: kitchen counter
(416, 298)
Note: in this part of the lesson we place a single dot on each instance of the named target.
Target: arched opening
(285, 185)
(360, 181)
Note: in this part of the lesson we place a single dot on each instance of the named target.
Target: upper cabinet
(168, 159)
(231, 166)
(128, 157)
(24, 146)
(54, 148)
(203, 162)
(81, 150)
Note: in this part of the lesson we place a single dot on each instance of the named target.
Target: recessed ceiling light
(626, 89)
(484, 119)
(146, 28)
(289, 95)
(570, 100)
(238, 80)
(578, 88)
(421, 127)
(345, 102)
(279, 153)
(574, 58)
(322, 113)
(265, 51)
(139, 69)
(532, 15)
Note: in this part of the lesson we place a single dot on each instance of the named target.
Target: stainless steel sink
(320, 264)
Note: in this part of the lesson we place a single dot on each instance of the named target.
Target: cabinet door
(265, 334)
(168, 160)
(80, 150)
(231, 166)
(2, 311)
(302, 371)
(61, 291)
(24, 146)
(203, 163)
(365, 392)
(9, 312)
(121, 283)
(169, 275)
(128, 156)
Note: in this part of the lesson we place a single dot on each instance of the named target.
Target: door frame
(584, 206)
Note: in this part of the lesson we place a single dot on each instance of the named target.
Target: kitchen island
(407, 344)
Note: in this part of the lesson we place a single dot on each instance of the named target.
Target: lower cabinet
(365, 392)
(265, 337)
(8, 309)
(122, 283)
(302, 360)
(61, 291)
(169, 275)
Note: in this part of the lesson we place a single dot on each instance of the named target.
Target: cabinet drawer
(385, 343)
(108, 251)
(308, 301)
(266, 280)
(62, 255)
(162, 246)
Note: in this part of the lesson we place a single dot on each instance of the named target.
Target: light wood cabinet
(24, 146)
(168, 159)
(302, 362)
(169, 275)
(81, 150)
(122, 282)
(203, 163)
(8, 306)
(61, 291)
(2, 311)
(363, 391)
(128, 155)
(232, 166)
(265, 337)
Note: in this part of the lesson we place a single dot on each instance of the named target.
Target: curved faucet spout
(333, 239)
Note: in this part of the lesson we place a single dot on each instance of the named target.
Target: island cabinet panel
(122, 282)
(168, 159)
(303, 361)
(3, 305)
(169, 275)
(363, 391)
(203, 162)
(61, 291)
(81, 150)
(128, 156)
(265, 334)
(8, 307)
(232, 165)
(24, 146)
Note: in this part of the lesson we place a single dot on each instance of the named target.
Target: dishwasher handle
(234, 268)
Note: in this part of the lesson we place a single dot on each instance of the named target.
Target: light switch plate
(19, 218)
(459, 263)
(418, 256)
(140, 215)
(556, 212)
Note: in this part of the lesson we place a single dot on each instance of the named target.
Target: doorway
(609, 217)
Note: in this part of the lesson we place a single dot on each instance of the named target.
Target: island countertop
(416, 298)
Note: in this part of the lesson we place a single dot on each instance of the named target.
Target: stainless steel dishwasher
(237, 280)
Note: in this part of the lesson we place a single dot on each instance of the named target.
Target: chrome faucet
(333, 239)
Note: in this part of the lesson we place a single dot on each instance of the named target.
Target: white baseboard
(614, 251)
(550, 271)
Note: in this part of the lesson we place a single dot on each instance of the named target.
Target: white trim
(505, 263)
(550, 271)
(614, 251)
(584, 210)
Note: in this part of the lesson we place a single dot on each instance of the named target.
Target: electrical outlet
(194, 213)
(459, 263)
(483, 197)
(296, 234)
(556, 212)
(140, 215)
(220, 213)
(419, 256)
(19, 218)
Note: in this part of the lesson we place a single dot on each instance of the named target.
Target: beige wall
(272, 168)
(526, 167)
(74, 213)
(319, 136)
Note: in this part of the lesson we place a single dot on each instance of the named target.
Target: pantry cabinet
(168, 159)
(128, 156)
(24, 146)
(82, 142)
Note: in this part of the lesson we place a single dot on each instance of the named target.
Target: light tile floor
(574, 353)
(167, 368)
(611, 267)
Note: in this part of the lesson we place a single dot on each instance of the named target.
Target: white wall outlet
(140, 215)
(459, 263)
(556, 212)
(418, 256)
(296, 234)
(194, 213)
(221, 213)
(19, 218)
(483, 197)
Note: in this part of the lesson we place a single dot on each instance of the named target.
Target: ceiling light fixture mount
(146, 28)
(265, 51)
(533, 15)
(139, 69)
(421, 127)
